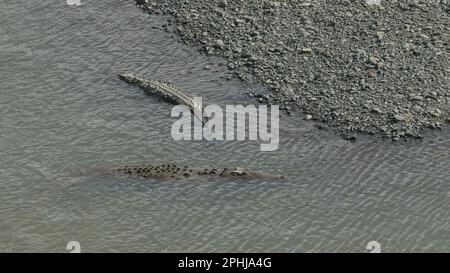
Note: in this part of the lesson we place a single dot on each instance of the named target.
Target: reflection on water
(64, 115)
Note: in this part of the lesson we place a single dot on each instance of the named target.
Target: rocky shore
(357, 67)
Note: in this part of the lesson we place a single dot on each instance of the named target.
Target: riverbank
(375, 69)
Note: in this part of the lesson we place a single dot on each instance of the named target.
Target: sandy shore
(375, 69)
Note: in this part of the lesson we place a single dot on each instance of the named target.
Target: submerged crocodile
(165, 171)
(164, 90)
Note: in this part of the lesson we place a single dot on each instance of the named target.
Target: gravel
(375, 68)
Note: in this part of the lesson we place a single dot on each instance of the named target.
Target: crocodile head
(128, 77)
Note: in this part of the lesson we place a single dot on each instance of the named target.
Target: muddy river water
(64, 114)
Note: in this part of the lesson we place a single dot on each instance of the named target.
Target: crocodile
(165, 90)
(170, 171)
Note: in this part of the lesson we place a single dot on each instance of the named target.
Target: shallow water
(64, 115)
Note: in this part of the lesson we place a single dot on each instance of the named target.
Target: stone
(219, 44)
(377, 110)
(223, 4)
(305, 50)
(416, 98)
(403, 118)
(373, 2)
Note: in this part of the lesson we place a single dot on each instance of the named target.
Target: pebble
(306, 50)
(377, 110)
(373, 2)
(219, 44)
(416, 98)
(404, 118)
(223, 4)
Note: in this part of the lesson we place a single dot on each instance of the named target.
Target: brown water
(64, 114)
